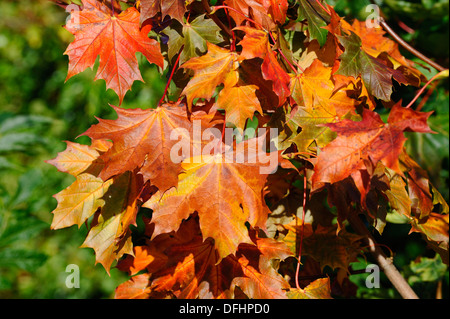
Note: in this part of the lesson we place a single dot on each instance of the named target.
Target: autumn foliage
(215, 224)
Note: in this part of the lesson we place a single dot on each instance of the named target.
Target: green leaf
(376, 76)
(22, 122)
(316, 18)
(194, 37)
(22, 229)
(22, 259)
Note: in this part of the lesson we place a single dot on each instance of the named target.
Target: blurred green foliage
(38, 111)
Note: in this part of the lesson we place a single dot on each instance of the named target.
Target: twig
(422, 89)
(385, 263)
(404, 44)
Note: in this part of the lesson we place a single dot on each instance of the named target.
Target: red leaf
(116, 39)
(272, 71)
(370, 139)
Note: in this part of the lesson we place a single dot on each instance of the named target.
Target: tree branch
(385, 263)
(404, 44)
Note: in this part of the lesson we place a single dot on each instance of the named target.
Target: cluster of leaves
(213, 225)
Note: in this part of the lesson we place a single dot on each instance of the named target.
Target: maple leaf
(397, 194)
(373, 42)
(79, 201)
(234, 191)
(315, 15)
(255, 43)
(318, 103)
(135, 288)
(217, 66)
(193, 38)
(376, 75)
(141, 139)
(116, 39)
(196, 269)
(324, 244)
(370, 139)
(173, 8)
(77, 159)
(144, 257)
(272, 70)
(255, 9)
(277, 9)
(318, 289)
(110, 236)
(240, 103)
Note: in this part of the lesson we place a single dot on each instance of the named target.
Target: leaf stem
(170, 78)
(406, 45)
(322, 6)
(297, 271)
(422, 89)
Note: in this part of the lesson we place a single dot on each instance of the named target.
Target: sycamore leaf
(141, 139)
(116, 39)
(194, 38)
(174, 8)
(218, 66)
(318, 289)
(234, 189)
(370, 139)
(79, 201)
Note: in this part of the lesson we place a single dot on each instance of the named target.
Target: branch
(385, 263)
(404, 44)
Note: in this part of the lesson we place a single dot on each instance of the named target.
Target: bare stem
(385, 263)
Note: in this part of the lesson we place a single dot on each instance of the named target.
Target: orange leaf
(318, 289)
(141, 139)
(255, 43)
(116, 39)
(240, 103)
(135, 288)
(271, 70)
(234, 193)
(77, 159)
(217, 66)
(79, 201)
